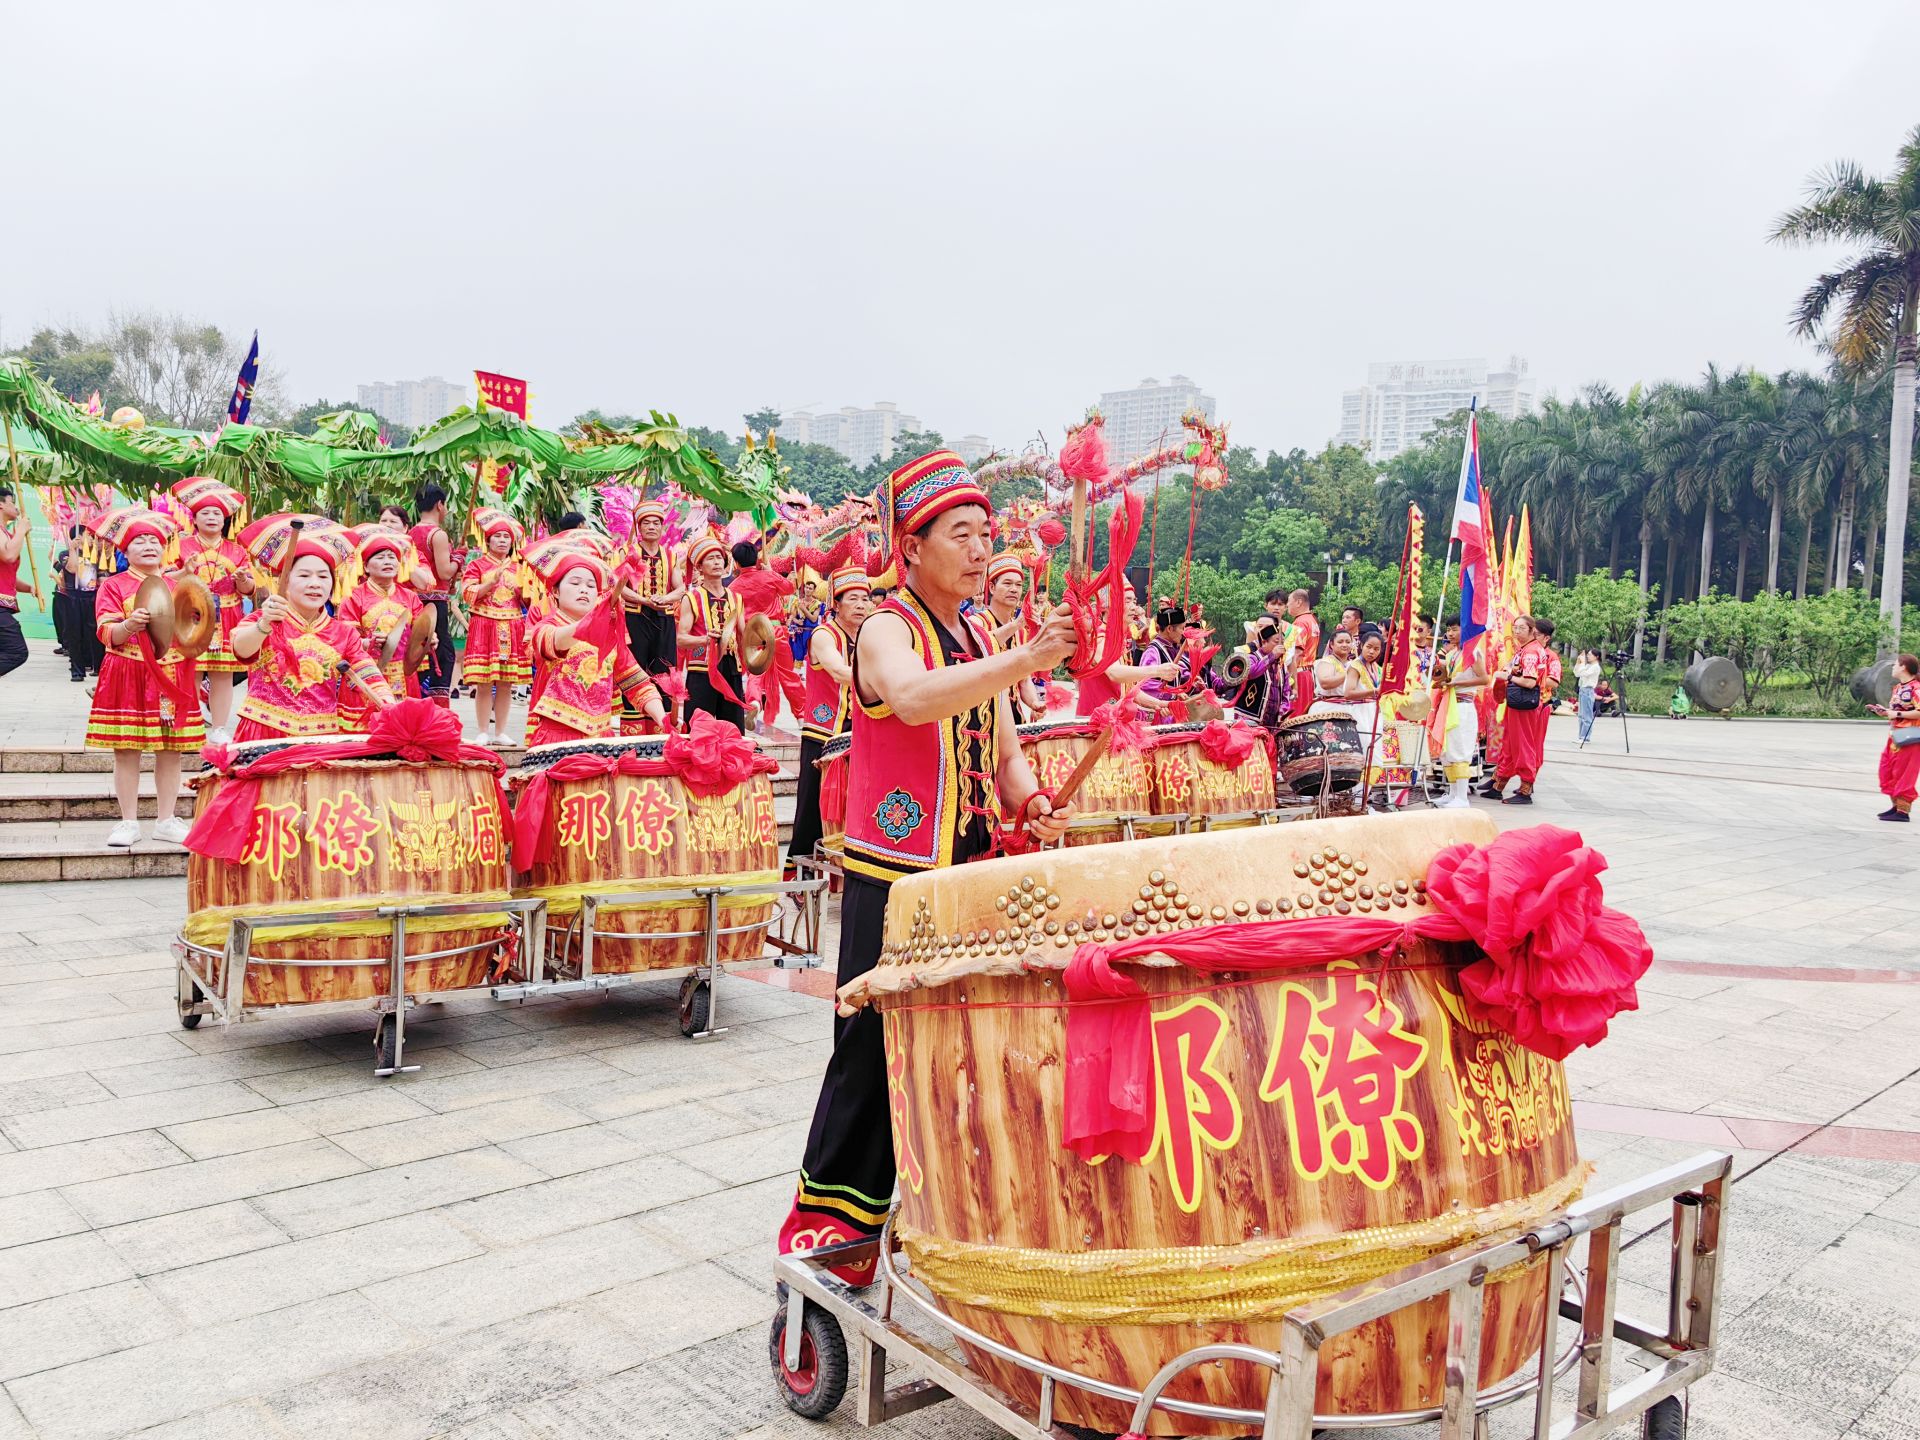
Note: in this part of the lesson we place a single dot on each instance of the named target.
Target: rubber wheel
(190, 1019)
(693, 1015)
(1667, 1420)
(384, 1043)
(815, 1389)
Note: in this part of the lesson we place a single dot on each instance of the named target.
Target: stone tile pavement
(561, 1225)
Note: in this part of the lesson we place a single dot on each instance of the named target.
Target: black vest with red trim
(922, 796)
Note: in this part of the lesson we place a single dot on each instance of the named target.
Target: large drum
(626, 821)
(355, 834)
(1192, 779)
(836, 768)
(1319, 753)
(1118, 789)
(1310, 1131)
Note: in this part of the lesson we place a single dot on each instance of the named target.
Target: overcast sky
(985, 212)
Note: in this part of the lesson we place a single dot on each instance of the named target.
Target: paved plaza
(561, 1226)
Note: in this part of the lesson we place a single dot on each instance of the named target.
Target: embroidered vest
(710, 614)
(215, 566)
(648, 574)
(914, 790)
(828, 702)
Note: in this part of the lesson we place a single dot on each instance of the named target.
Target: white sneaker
(481, 737)
(124, 836)
(173, 830)
(221, 736)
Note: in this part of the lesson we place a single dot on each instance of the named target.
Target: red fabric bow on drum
(1558, 964)
(1229, 745)
(416, 731)
(1130, 733)
(711, 759)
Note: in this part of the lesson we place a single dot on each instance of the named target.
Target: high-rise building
(858, 434)
(1147, 417)
(413, 403)
(973, 448)
(1403, 400)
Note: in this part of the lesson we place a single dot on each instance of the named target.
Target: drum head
(647, 747)
(1714, 683)
(836, 747)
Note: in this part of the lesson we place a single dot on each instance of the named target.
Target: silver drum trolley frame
(819, 1313)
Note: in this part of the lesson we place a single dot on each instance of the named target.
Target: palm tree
(1878, 295)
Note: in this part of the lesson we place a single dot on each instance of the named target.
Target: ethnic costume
(439, 681)
(218, 567)
(1900, 764)
(574, 689)
(758, 590)
(1303, 648)
(301, 682)
(827, 712)
(376, 610)
(495, 591)
(144, 701)
(1523, 733)
(919, 797)
(713, 677)
(649, 629)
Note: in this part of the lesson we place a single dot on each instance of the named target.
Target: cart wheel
(1667, 1420)
(190, 1018)
(384, 1043)
(815, 1388)
(695, 1009)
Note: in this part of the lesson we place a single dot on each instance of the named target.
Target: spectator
(77, 582)
(1586, 674)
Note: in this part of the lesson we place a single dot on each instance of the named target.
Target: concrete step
(59, 796)
(38, 851)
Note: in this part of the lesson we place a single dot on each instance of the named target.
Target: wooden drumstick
(294, 527)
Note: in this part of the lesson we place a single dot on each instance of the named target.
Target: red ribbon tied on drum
(1556, 965)
(1229, 745)
(1130, 733)
(710, 760)
(412, 730)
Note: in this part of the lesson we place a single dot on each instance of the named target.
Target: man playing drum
(935, 758)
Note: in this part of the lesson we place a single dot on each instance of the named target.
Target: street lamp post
(1337, 571)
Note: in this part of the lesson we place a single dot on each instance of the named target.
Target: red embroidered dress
(922, 796)
(829, 703)
(374, 613)
(143, 701)
(574, 700)
(218, 567)
(496, 623)
(1900, 764)
(295, 687)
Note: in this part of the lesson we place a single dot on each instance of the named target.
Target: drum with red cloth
(628, 815)
(290, 826)
(1118, 790)
(836, 765)
(1220, 772)
(1154, 1096)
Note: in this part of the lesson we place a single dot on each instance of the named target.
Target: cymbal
(758, 637)
(155, 597)
(420, 637)
(195, 616)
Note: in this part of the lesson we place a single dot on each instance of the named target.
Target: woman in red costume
(379, 605)
(1900, 764)
(144, 701)
(493, 588)
(582, 649)
(221, 565)
(305, 661)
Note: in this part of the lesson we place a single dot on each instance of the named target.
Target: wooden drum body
(1313, 1127)
(1321, 752)
(621, 833)
(350, 835)
(836, 768)
(1120, 784)
(1187, 781)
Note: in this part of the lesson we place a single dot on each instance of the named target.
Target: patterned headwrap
(1005, 564)
(649, 510)
(121, 527)
(924, 489)
(487, 522)
(550, 559)
(702, 546)
(847, 579)
(196, 492)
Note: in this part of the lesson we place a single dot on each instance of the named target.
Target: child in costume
(221, 564)
(494, 590)
(144, 701)
(381, 605)
(305, 661)
(581, 646)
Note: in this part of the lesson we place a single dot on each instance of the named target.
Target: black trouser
(13, 644)
(848, 1165)
(701, 695)
(63, 616)
(806, 804)
(439, 677)
(651, 639)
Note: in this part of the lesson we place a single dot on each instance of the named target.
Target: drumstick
(1077, 776)
(345, 672)
(294, 528)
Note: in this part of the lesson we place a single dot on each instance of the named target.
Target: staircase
(56, 806)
